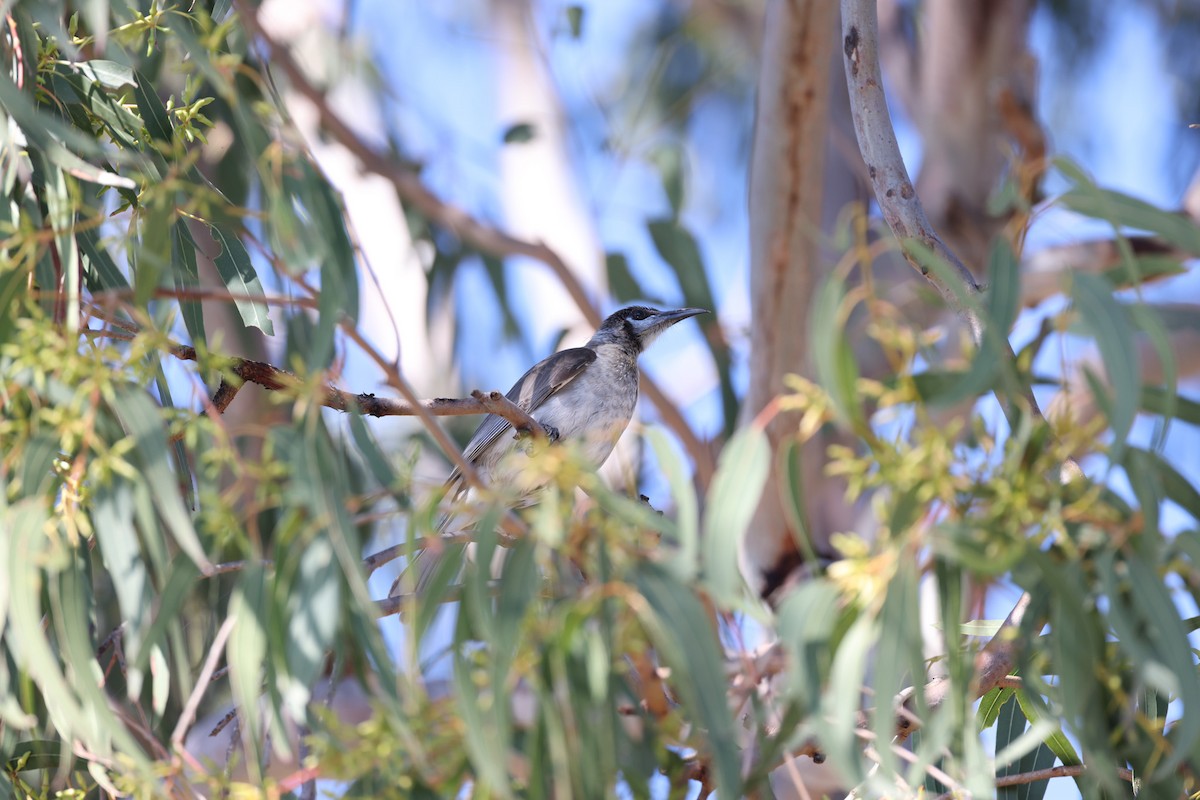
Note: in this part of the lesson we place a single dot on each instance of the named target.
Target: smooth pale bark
(391, 276)
(538, 188)
(787, 203)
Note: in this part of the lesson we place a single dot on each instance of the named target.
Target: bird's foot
(550, 432)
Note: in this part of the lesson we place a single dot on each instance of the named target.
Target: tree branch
(475, 233)
(894, 191)
(274, 378)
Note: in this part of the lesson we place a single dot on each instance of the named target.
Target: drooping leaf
(732, 500)
(1108, 323)
(686, 641)
(233, 264)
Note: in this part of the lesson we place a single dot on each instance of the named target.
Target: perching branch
(471, 230)
(894, 191)
(274, 378)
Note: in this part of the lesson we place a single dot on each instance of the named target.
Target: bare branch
(274, 378)
(894, 191)
(202, 683)
(1047, 272)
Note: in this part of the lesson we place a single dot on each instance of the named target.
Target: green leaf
(1156, 400)
(187, 276)
(683, 636)
(1122, 210)
(621, 283)
(518, 586)
(519, 133)
(246, 652)
(26, 542)
(732, 499)
(480, 701)
(846, 680)
(990, 705)
(1004, 289)
(575, 13)
(377, 461)
(122, 556)
(899, 662)
(1057, 742)
(12, 283)
(101, 271)
(314, 610)
(1009, 728)
(679, 249)
(142, 420)
(1145, 268)
(836, 367)
(807, 621)
(1109, 324)
(684, 563)
(790, 467)
(1164, 630)
(239, 277)
(154, 113)
(108, 74)
(669, 160)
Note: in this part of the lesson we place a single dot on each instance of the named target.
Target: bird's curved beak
(650, 328)
(668, 318)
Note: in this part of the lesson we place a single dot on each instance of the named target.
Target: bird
(583, 395)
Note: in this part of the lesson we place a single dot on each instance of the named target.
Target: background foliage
(164, 561)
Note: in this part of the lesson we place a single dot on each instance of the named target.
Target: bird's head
(637, 326)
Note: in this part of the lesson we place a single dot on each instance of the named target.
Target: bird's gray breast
(592, 411)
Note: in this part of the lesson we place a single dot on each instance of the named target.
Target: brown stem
(274, 378)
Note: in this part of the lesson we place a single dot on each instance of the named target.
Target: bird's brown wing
(540, 382)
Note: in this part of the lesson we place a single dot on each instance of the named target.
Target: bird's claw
(550, 432)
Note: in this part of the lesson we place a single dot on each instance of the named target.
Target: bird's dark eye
(640, 313)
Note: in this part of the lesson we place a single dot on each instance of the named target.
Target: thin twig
(274, 378)
(202, 683)
(902, 209)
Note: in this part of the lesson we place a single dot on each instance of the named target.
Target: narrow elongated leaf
(1108, 322)
(101, 271)
(807, 620)
(154, 113)
(837, 369)
(791, 491)
(246, 652)
(233, 264)
(990, 705)
(732, 500)
(1123, 210)
(679, 249)
(139, 416)
(314, 611)
(685, 562)
(1157, 401)
(1163, 628)
(122, 557)
(1009, 728)
(187, 276)
(23, 529)
(108, 74)
(684, 638)
(1056, 742)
